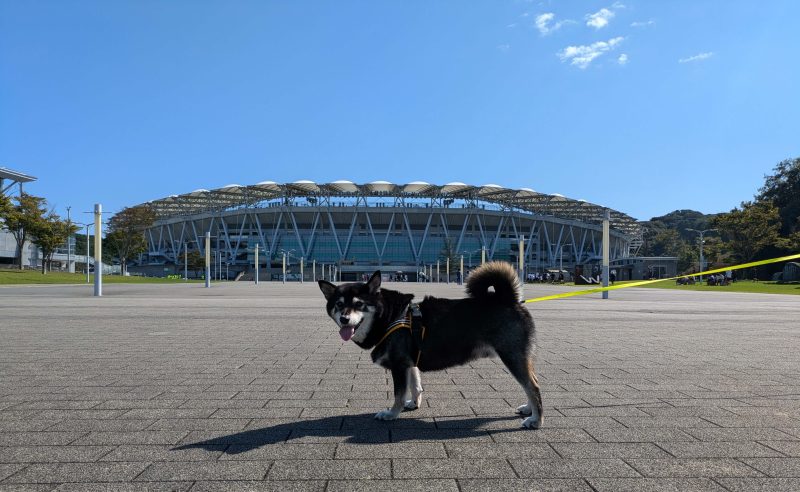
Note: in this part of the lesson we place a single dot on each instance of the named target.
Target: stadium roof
(234, 196)
(15, 177)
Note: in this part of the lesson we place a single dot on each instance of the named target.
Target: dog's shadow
(357, 429)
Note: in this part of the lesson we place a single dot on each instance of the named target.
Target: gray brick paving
(175, 387)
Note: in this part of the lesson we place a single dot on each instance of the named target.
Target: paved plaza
(243, 387)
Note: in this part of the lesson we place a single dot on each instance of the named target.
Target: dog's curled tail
(499, 275)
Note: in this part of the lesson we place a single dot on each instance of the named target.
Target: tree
(49, 234)
(750, 229)
(195, 262)
(783, 190)
(125, 236)
(22, 218)
(449, 252)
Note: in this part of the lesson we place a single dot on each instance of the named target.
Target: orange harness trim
(405, 322)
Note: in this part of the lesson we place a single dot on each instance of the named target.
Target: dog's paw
(532, 422)
(410, 405)
(524, 409)
(385, 415)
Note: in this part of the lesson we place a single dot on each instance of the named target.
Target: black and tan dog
(407, 338)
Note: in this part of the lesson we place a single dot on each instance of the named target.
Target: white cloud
(503, 47)
(545, 25)
(542, 22)
(623, 59)
(646, 23)
(697, 57)
(581, 56)
(599, 19)
(512, 25)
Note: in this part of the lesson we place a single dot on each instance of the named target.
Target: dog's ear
(327, 288)
(374, 282)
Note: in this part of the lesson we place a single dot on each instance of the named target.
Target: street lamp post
(87, 254)
(255, 277)
(69, 249)
(606, 249)
(702, 241)
(98, 250)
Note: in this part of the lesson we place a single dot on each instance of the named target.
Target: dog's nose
(344, 319)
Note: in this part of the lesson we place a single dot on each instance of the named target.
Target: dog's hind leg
(521, 367)
(414, 389)
(400, 380)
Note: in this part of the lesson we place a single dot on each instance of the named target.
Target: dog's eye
(339, 304)
(358, 304)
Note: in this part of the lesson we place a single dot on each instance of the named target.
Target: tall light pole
(255, 277)
(521, 255)
(284, 267)
(98, 250)
(69, 249)
(185, 261)
(702, 261)
(208, 260)
(606, 249)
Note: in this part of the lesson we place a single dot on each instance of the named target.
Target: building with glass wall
(403, 229)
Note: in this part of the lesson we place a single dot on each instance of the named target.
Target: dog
(407, 338)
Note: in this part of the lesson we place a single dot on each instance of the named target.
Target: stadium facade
(358, 228)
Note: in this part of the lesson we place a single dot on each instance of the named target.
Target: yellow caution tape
(647, 282)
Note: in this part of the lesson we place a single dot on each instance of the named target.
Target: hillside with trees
(766, 227)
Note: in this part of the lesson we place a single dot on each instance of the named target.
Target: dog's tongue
(347, 332)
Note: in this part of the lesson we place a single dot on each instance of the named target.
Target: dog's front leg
(414, 389)
(400, 380)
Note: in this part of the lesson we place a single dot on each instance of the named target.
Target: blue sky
(643, 106)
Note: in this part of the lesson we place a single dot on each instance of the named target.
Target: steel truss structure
(380, 224)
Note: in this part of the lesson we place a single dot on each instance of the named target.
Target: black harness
(412, 321)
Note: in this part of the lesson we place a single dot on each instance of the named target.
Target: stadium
(352, 229)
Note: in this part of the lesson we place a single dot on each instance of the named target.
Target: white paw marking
(387, 414)
(532, 422)
(524, 409)
(410, 405)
